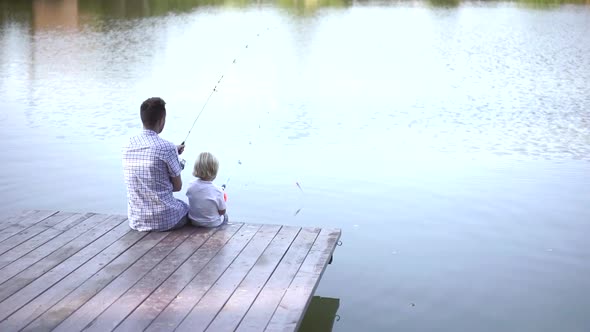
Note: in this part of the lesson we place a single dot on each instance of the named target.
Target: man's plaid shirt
(149, 162)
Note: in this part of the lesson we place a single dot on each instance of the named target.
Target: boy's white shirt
(205, 200)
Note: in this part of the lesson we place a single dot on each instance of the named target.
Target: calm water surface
(449, 141)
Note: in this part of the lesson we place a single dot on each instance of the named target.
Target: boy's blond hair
(206, 167)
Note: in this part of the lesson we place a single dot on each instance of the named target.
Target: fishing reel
(224, 193)
(182, 163)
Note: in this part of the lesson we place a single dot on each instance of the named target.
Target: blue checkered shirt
(149, 162)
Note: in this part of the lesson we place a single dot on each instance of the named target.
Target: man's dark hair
(152, 110)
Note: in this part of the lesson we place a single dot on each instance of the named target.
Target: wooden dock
(62, 271)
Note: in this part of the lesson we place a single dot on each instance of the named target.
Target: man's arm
(176, 183)
(170, 157)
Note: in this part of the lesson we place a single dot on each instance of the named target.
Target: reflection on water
(444, 3)
(62, 13)
(539, 4)
(450, 140)
(320, 315)
(66, 13)
(52, 14)
(518, 93)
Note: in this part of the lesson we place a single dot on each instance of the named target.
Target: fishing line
(262, 124)
(301, 199)
(251, 142)
(235, 60)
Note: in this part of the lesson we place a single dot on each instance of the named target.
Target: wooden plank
(159, 299)
(119, 310)
(32, 231)
(95, 306)
(52, 317)
(28, 289)
(27, 218)
(7, 219)
(73, 221)
(21, 224)
(40, 239)
(184, 302)
(40, 304)
(73, 273)
(290, 311)
(36, 270)
(240, 301)
(29, 253)
(211, 303)
(261, 311)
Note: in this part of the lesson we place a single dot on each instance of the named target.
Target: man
(152, 174)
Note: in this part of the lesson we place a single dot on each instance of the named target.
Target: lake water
(450, 141)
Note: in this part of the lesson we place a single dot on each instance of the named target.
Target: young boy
(205, 200)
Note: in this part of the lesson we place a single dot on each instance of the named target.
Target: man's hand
(180, 149)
